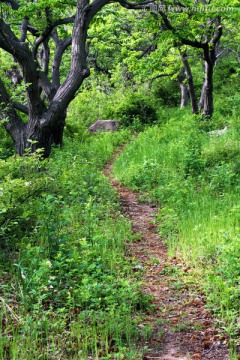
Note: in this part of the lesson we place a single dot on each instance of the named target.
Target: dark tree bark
(206, 99)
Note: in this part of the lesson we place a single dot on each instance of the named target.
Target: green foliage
(94, 102)
(131, 106)
(194, 176)
(136, 109)
(20, 182)
(6, 144)
(68, 285)
(167, 92)
(67, 291)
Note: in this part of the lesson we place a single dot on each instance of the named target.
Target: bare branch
(151, 48)
(54, 36)
(33, 30)
(94, 8)
(193, 43)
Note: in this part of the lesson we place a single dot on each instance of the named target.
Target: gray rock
(218, 132)
(104, 125)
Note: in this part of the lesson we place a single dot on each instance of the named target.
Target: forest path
(181, 327)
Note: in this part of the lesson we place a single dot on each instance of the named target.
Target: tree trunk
(184, 92)
(183, 89)
(201, 101)
(191, 88)
(209, 55)
(35, 136)
(44, 136)
(208, 91)
(206, 100)
(59, 129)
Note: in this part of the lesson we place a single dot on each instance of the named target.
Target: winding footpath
(181, 327)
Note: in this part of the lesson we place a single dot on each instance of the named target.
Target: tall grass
(67, 291)
(194, 177)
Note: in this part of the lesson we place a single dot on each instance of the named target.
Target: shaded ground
(181, 327)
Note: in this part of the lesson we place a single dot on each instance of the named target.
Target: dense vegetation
(67, 290)
(194, 177)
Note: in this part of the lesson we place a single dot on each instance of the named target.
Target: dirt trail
(181, 326)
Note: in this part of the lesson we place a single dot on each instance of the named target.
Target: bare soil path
(181, 326)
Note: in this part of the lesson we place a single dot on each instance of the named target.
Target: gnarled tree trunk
(47, 98)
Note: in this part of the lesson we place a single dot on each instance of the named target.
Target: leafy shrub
(20, 182)
(136, 108)
(222, 159)
(221, 149)
(167, 92)
(6, 144)
(132, 106)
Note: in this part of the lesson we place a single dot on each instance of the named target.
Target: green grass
(194, 177)
(67, 291)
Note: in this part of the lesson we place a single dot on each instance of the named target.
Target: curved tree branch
(47, 32)
(148, 4)
(217, 35)
(24, 28)
(61, 46)
(21, 107)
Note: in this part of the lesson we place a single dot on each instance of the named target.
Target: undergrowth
(66, 289)
(194, 177)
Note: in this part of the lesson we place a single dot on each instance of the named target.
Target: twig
(10, 309)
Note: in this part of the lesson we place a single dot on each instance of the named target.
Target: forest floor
(180, 325)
